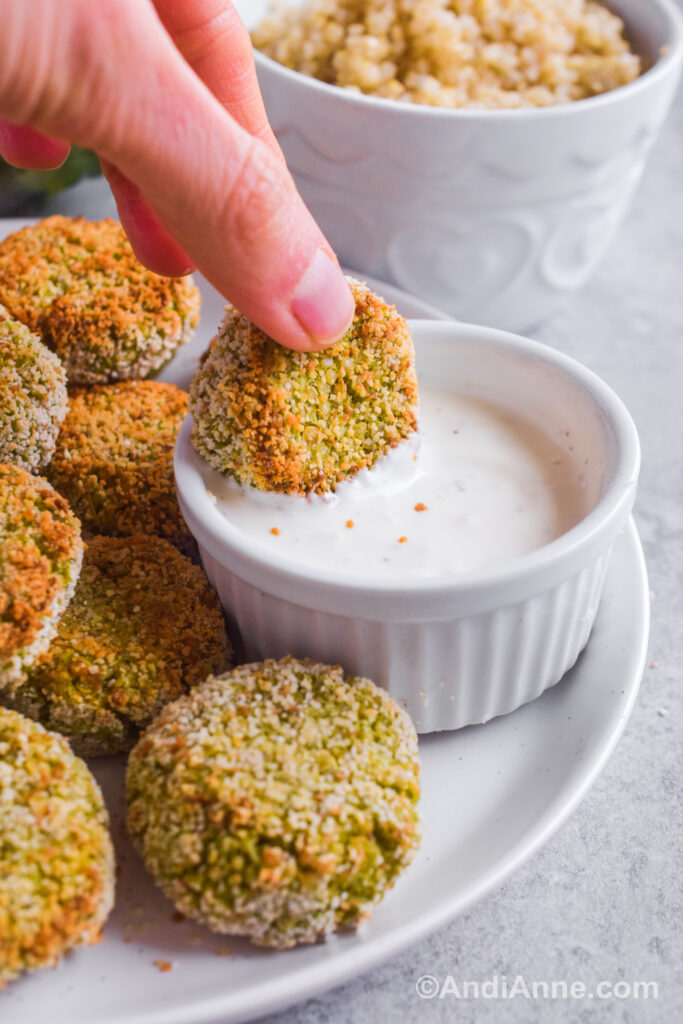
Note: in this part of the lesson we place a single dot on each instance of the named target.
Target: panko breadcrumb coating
(40, 559)
(301, 422)
(454, 53)
(277, 801)
(32, 396)
(114, 460)
(79, 285)
(142, 628)
(56, 856)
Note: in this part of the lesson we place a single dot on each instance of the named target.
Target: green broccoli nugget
(79, 285)
(114, 460)
(301, 422)
(277, 801)
(32, 396)
(40, 559)
(142, 628)
(56, 856)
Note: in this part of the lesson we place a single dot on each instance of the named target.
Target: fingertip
(24, 147)
(322, 302)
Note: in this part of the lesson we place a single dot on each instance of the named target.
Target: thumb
(108, 76)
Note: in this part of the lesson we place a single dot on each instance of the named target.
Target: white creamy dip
(480, 487)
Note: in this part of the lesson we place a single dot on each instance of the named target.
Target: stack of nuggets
(277, 801)
(79, 286)
(93, 653)
(103, 318)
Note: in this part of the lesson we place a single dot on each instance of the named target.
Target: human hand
(165, 92)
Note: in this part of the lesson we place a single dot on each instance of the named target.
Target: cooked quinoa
(300, 422)
(40, 559)
(277, 801)
(114, 460)
(56, 856)
(32, 396)
(454, 53)
(142, 628)
(79, 285)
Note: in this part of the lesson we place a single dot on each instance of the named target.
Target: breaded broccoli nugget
(40, 559)
(79, 285)
(56, 856)
(300, 422)
(32, 396)
(114, 460)
(277, 801)
(142, 628)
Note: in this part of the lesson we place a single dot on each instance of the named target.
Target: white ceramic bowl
(460, 649)
(495, 217)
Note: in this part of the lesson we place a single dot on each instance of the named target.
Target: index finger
(213, 40)
(23, 146)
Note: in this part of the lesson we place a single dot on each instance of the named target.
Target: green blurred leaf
(18, 188)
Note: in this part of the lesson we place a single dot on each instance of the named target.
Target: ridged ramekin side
(496, 660)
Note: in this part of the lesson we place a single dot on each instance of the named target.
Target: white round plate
(492, 794)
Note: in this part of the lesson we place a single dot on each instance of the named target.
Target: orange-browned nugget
(40, 559)
(78, 284)
(114, 460)
(56, 855)
(142, 628)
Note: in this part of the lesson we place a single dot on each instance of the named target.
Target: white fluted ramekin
(495, 216)
(458, 649)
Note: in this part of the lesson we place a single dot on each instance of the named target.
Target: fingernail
(322, 301)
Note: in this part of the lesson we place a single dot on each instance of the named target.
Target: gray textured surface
(602, 901)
